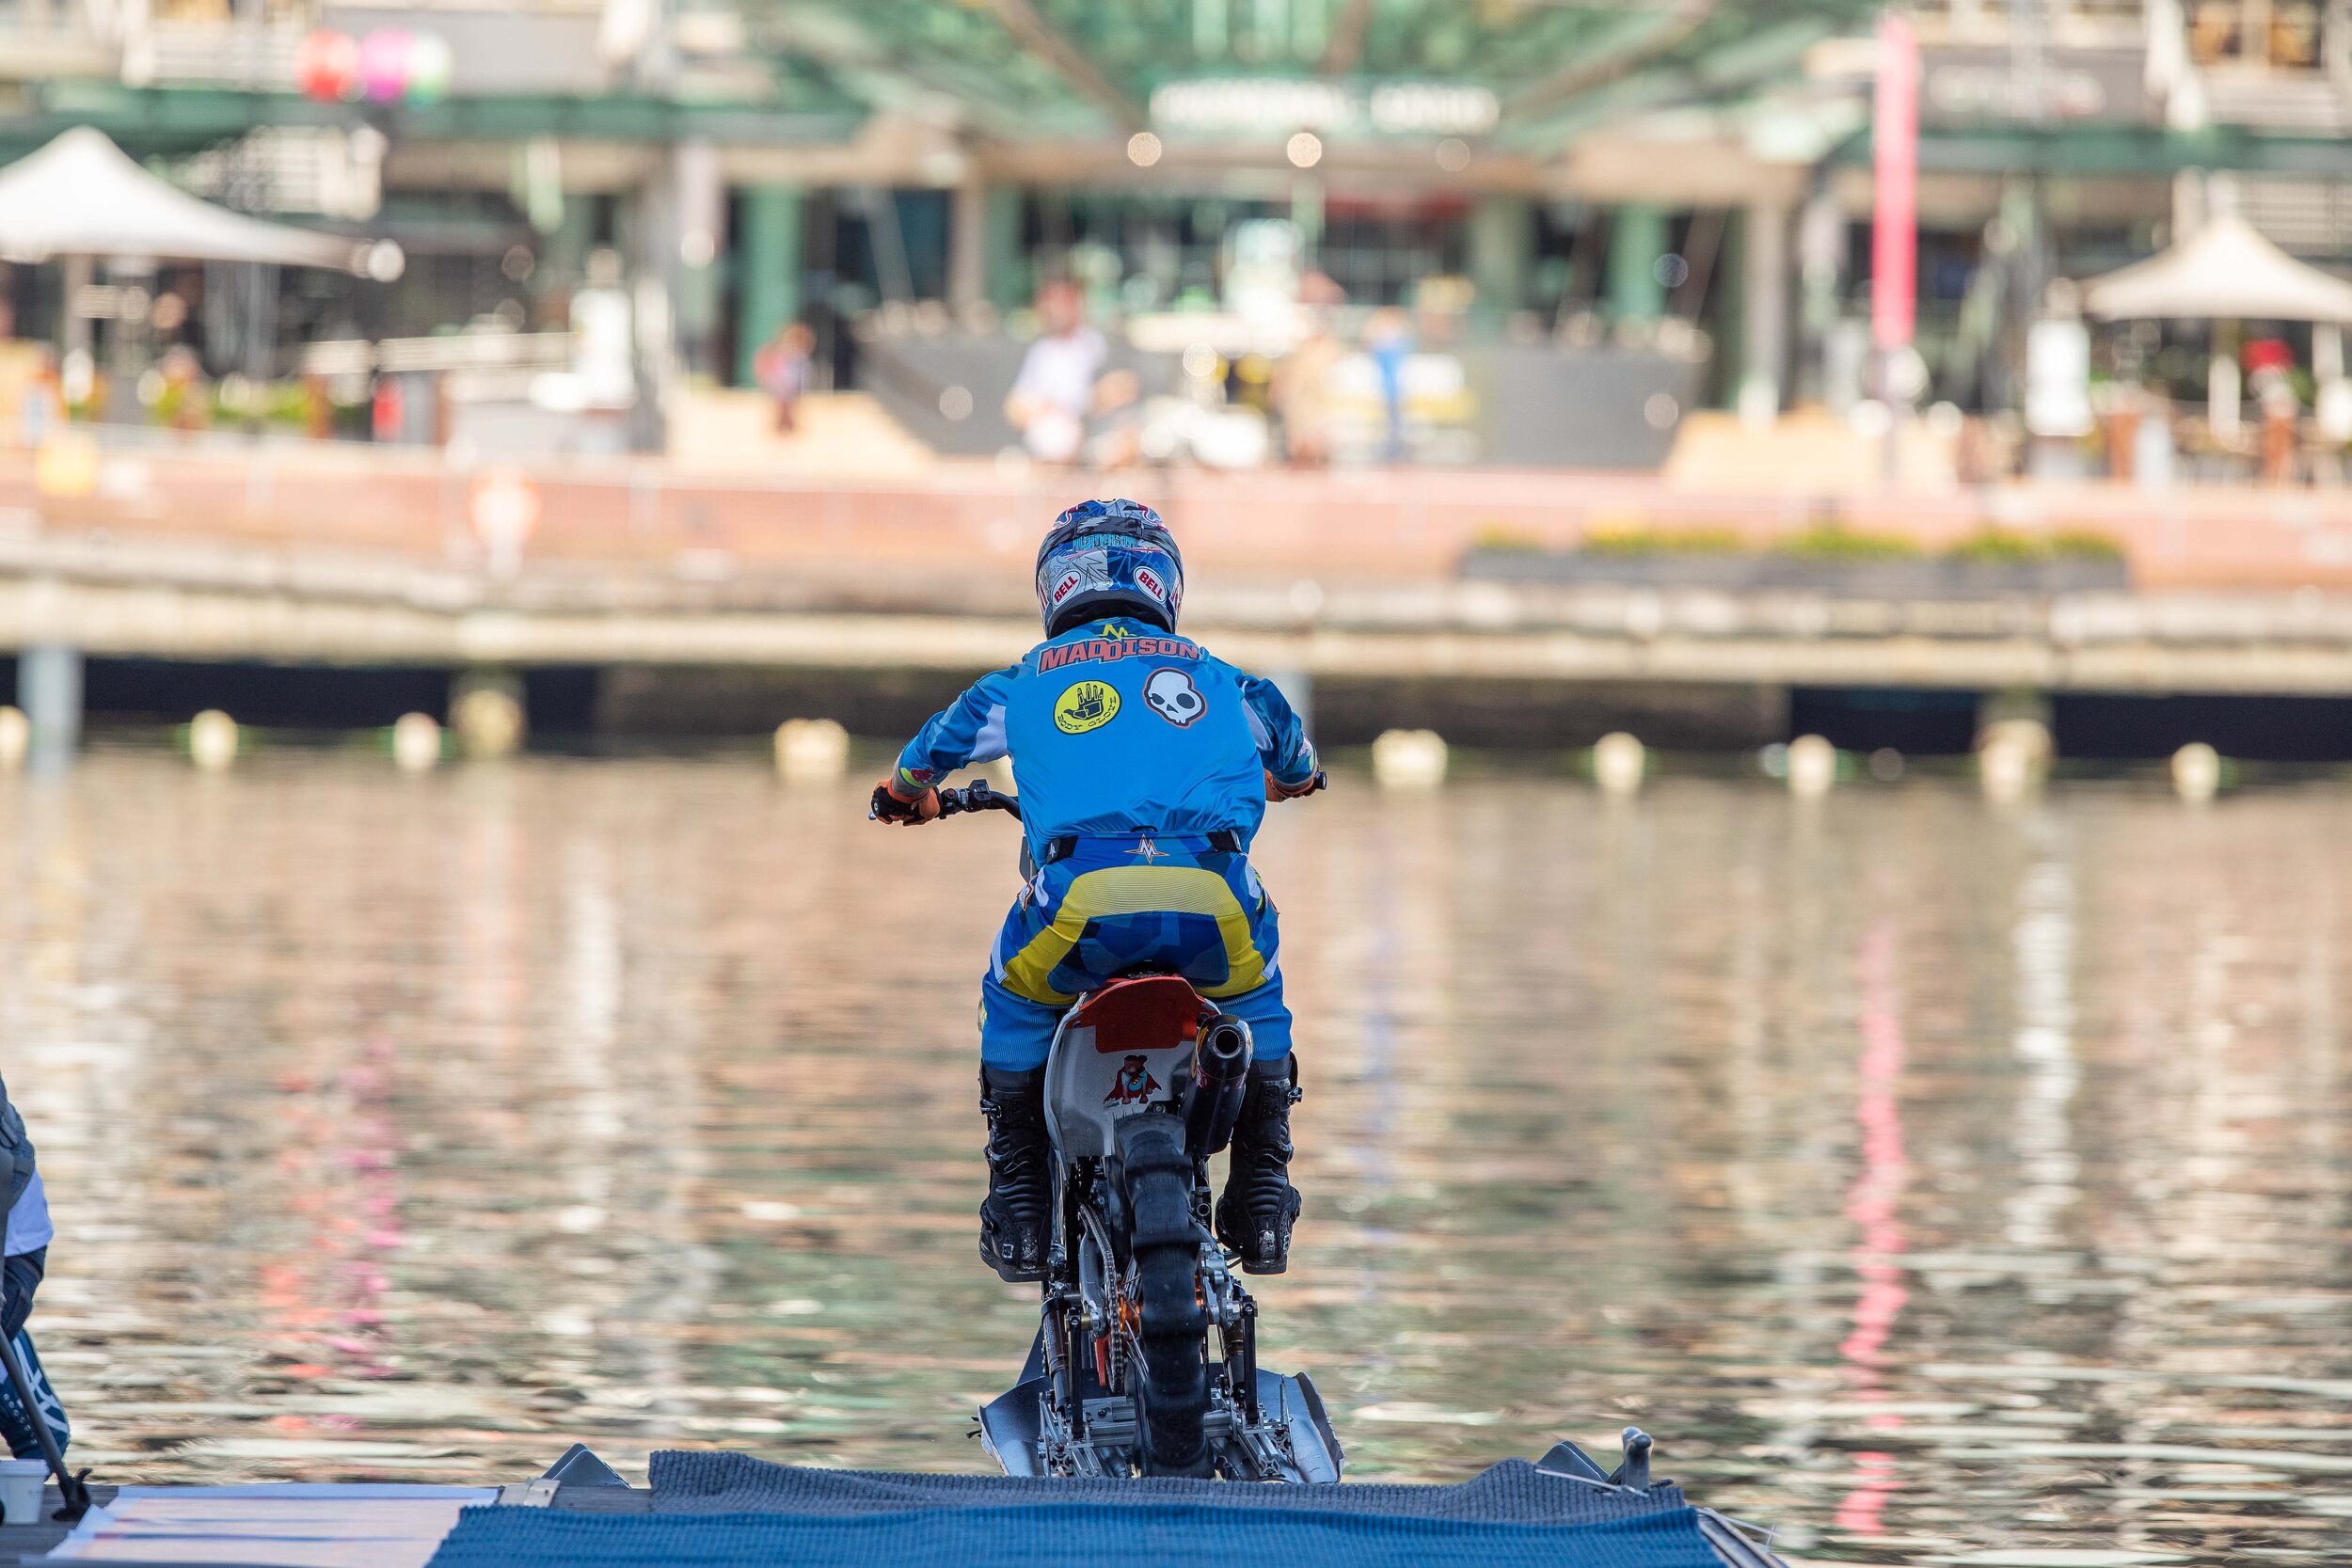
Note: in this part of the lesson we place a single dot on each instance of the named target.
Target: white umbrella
(80, 196)
(2224, 271)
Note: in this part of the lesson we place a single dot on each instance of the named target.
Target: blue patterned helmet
(1109, 558)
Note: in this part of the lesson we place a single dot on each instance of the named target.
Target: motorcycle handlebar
(978, 796)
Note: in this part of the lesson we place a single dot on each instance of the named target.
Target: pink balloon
(384, 64)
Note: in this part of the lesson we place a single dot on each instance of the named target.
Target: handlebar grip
(978, 796)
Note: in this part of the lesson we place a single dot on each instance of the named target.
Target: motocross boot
(1017, 1216)
(1255, 1215)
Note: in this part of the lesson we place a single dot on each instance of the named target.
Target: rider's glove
(889, 805)
(1277, 790)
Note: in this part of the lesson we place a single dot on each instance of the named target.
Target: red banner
(1895, 226)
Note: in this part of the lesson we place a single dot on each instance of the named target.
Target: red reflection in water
(1870, 1204)
(328, 1301)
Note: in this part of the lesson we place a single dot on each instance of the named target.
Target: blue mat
(1060, 1535)
(1512, 1492)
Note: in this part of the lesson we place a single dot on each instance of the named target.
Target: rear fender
(1124, 1048)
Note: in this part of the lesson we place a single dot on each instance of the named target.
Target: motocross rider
(1143, 765)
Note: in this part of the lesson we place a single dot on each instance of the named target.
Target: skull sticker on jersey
(1171, 694)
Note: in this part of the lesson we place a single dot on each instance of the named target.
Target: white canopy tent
(82, 196)
(81, 199)
(2226, 271)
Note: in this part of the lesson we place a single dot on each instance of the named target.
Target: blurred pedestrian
(2152, 445)
(1388, 339)
(1061, 378)
(388, 409)
(40, 409)
(1302, 396)
(781, 368)
(318, 408)
(29, 1234)
(2270, 376)
(185, 402)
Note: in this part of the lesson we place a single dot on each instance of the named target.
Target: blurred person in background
(318, 408)
(1302, 397)
(1302, 380)
(82, 386)
(40, 402)
(1388, 339)
(1144, 766)
(603, 325)
(388, 409)
(27, 1258)
(2270, 376)
(1062, 387)
(781, 370)
(185, 402)
(2154, 446)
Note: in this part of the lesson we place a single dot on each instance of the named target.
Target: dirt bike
(1146, 1357)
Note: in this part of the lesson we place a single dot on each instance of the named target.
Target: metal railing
(470, 351)
(256, 56)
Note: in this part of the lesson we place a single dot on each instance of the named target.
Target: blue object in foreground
(15, 1429)
(1061, 1535)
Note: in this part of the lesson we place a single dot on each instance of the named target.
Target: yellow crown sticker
(1088, 705)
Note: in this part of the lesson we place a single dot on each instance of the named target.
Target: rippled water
(1933, 1180)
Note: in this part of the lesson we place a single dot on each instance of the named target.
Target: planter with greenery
(1824, 557)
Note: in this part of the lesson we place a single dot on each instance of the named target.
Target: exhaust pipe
(1220, 1070)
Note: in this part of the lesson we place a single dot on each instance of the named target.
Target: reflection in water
(1932, 1180)
(2044, 1041)
(1872, 1205)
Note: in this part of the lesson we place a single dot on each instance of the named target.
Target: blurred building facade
(1692, 185)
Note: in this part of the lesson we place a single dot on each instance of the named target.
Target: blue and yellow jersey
(1117, 727)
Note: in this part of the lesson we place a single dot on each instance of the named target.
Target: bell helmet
(1109, 558)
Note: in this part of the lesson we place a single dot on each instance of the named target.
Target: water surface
(1934, 1180)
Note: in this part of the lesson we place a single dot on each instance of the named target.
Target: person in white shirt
(1061, 383)
(26, 1247)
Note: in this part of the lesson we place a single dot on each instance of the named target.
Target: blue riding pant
(1116, 903)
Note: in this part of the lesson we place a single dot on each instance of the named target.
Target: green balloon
(429, 63)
